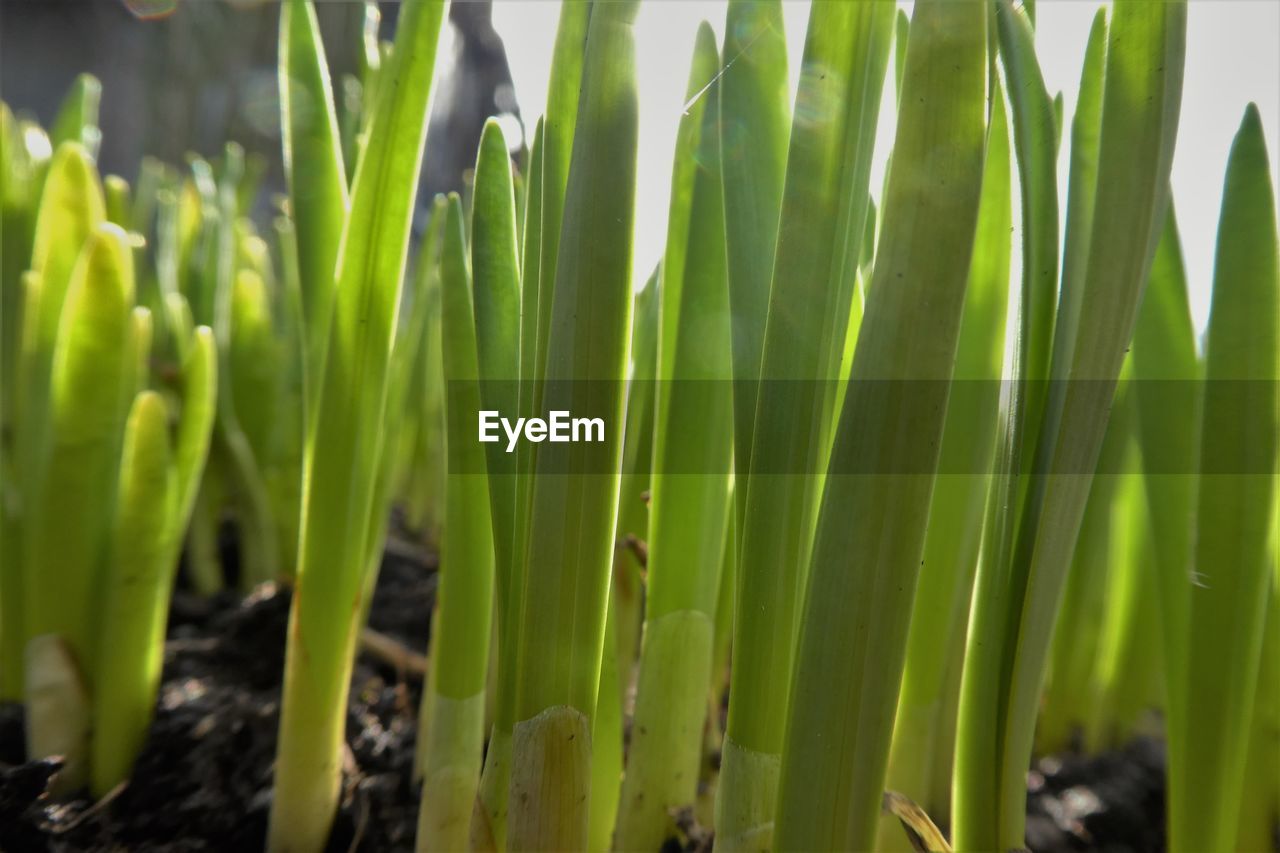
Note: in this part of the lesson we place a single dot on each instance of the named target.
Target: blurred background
(185, 75)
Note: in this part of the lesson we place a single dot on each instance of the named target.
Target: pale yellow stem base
(666, 739)
(450, 772)
(489, 818)
(746, 799)
(550, 782)
(58, 713)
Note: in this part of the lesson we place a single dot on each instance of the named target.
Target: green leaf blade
(76, 480)
(460, 634)
(1235, 494)
(921, 758)
(314, 168)
(755, 117)
(136, 594)
(496, 273)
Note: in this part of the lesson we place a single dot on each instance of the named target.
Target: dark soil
(1111, 802)
(203, 781)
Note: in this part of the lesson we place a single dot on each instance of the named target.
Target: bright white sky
(1233, 57)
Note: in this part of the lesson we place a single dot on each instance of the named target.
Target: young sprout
(159, 474)
(689, 503)
(453, 716)
(499, 340)
(344, 445)
(72, 478)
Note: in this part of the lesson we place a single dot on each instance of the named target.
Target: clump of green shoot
(871, 526)
(1052, 437)
(544, 201)
(571, 522)
(93, 447)
(344, 441)
(820, 225)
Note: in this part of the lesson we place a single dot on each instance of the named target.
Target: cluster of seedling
(819, 457)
